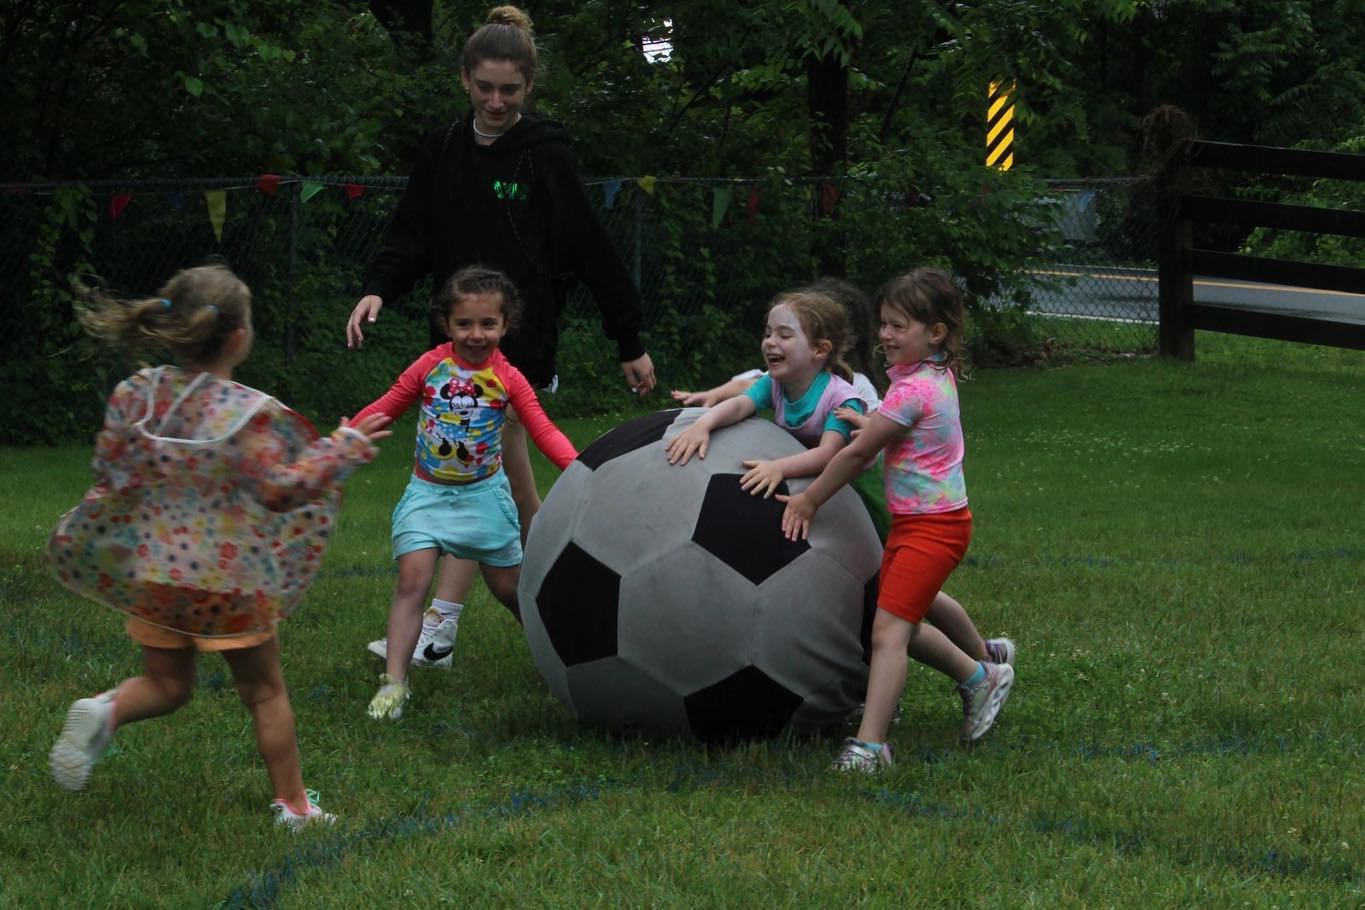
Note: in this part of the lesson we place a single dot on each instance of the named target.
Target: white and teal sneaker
(1000, 651)
(84, 737)
(982, 702)
(860, 756)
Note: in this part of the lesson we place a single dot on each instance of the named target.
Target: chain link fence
(697, 249)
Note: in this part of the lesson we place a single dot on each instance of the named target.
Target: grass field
(1176, 548)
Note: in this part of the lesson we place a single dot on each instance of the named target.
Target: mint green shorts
(475, 521)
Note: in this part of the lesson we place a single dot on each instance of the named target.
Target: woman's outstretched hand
(639, 374)
(365, 312)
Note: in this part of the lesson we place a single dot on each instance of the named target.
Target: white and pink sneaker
(287, 817)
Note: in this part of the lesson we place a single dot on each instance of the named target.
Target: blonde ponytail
(191, 317)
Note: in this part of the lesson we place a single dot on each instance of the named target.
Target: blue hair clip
(211, 308)
(166, 304)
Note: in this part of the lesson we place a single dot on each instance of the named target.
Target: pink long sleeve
(407, 389)
(547, 437)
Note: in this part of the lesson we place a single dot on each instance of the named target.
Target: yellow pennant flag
(217, 203)
(647, 184)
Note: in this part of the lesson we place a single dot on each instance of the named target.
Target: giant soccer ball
(666, 599)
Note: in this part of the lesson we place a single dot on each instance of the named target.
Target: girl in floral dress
(207, 522)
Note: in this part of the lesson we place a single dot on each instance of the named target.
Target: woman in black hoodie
(499, 188)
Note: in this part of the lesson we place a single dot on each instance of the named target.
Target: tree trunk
(411, 17)
(827, 108)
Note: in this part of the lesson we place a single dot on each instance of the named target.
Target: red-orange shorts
(921, 552)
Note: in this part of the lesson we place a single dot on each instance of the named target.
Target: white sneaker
(294, 820)
(435, 646)
(982, 702)
(1000, 651)
(84, 737)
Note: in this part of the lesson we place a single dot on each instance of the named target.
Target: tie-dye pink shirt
(923, 468)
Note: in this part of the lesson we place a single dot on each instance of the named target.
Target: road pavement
(1130, 295)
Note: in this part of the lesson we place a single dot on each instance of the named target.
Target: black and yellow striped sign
(1000, 125)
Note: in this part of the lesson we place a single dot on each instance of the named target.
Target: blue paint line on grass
(913, 804)
(1046, 560)
(1294, 865)
(331, 848)
(1260, 860)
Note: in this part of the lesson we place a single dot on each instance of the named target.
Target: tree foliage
(103, 88)
(866, 117)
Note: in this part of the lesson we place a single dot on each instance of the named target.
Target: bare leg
(516, 461)
(415, 571)
(166, 683)
(932, 648)
(948, 616)
(890, 638)
(260, 684)
(502, 583)
(456, 578)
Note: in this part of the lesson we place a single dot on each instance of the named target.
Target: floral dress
(211, 508)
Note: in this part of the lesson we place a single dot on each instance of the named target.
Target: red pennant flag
(117, 203)
(268, 184)
(829, 197)
(353, 190)
(752, 205)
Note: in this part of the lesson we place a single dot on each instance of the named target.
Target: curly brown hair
(477, 279)
(930, 295)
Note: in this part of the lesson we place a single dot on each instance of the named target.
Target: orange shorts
(921, 552)
(144, 633)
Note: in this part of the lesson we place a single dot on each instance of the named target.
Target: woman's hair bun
(509, 15)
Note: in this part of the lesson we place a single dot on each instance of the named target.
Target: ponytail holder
(166, 304)
(211, 308)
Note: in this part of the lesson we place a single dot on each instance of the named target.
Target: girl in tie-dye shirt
(919, 429)
(458, 500)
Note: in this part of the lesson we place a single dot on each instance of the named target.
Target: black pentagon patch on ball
(745, 705)
(726, 523)
(578, 602)
(869, 614)
(638, 433)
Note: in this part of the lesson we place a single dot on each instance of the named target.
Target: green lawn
(1176, 548)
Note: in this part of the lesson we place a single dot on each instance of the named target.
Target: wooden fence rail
(1179, 260)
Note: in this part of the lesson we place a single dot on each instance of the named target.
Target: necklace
(479, 132)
